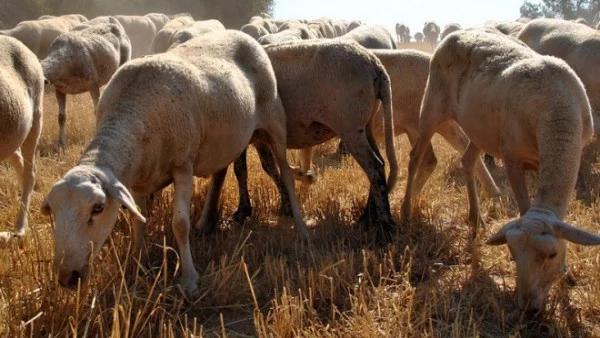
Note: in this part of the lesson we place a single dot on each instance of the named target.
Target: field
(259, 280)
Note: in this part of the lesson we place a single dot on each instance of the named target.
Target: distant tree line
(564, 9)
(233, 13)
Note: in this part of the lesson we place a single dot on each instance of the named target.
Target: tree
(564, 9)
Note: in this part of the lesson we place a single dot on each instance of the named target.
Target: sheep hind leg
(16, 161)
(276, 138)
(267, 161)
(378, 212)
(184, 181)
(61, 98)
(370, 208)
(428, 163)
(240, 168)
(210, 211)
(469, 159)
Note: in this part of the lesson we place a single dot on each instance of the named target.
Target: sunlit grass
(432, 280)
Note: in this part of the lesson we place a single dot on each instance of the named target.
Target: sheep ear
(499, 237)
(118, 191)
(45, 208)
(575, 235)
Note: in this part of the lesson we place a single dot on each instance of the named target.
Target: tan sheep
(21, 96)
(448, 29)
(529, 110)
(402, 33)
(162, 40)
(37, 35)
(84, 60)
(371, 37)
(511, 28)
(141, 31)
(165, 119)
(196, 29)
(323, 28)
(159, 20)
(289, 32)
(256, 32)
(322, 100)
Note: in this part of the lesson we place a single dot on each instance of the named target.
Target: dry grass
(259, 280)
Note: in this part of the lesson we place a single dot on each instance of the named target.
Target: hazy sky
(411, 12)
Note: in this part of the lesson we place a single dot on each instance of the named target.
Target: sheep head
(537, 242)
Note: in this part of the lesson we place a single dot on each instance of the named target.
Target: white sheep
(577, 44)
(371, 37)
(164, 119)
(449, 28)
(196, 29)
(529, 110)
(84, 60)
(21, 96)
(323, 99)
(141, 31)
(289, 31)
(159, 20)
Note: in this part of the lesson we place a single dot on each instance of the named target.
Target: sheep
(419, 37)
(161, 41)
(289, 32)
(37, 35)
(340, 27)
(577, 44)
(450, 28)
(22, 91)
(371, 37)
(84, 60)
(581, 21)
(531, 111)
(402, 33)
(265, 23)
(323, 28)
(159, 20)
(322, 100)
(511, 28)
(254, 31)
(203, 102)
(141, 31)
(196, 29)
(431, 32)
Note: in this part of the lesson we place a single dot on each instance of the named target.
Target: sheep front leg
(210, 210)
(303, 173)
(145, 205)
(516, 177)
(95, 94)
(183, 181)
(240, 168)
(61, 99)
(469, 159)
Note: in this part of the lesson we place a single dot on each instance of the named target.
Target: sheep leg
(370, 208)
(95, 94)
(303, 173)
(360, 149)
(277, 141)
(244, 209)
(268, 164)
(516, 177)
(144, 202)
(183, 180)
(210, 211)
(469, 159)
(16, 160)
(451, 131)
(61, 98)
(427, 165)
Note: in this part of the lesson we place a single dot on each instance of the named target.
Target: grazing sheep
(254, 31)
(419, 37)
(21, 96)
(196, 29)
(141, 31)
(165, 119)
(83, 61)
(37, 35)
(450, 28)
(531, 111)
(322, 100)
(159, 20)
(431, 31)
(162, 40)
(371, 37)
(289, 32)
(577, 44)
(402, 33)
(511, 28)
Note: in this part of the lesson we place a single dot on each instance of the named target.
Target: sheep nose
(70, 279)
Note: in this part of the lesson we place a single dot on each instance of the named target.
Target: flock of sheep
(523, 92)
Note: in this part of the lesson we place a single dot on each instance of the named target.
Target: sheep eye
(552, 255)
(98, 208)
